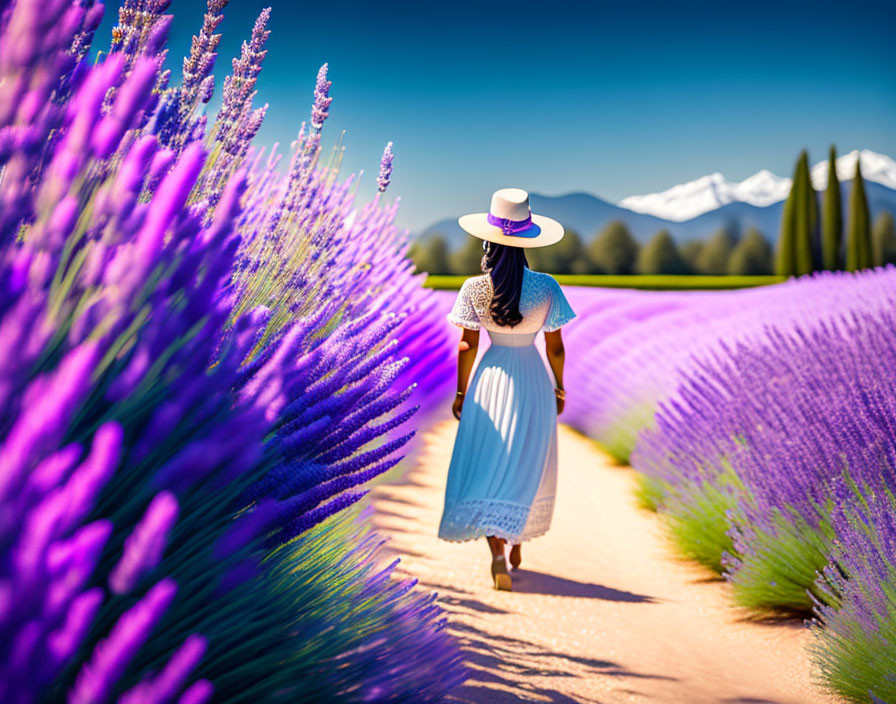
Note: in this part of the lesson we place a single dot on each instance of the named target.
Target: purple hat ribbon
(510, 227)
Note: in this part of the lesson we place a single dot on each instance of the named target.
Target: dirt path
(602, 610)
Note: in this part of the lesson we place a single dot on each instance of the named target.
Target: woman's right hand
(457, 406)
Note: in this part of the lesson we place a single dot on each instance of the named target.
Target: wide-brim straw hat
(511, 222)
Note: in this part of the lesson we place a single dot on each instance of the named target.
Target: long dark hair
(505, 266)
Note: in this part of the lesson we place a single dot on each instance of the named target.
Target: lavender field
(210, 351)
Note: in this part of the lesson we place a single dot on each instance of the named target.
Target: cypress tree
(832, 222)
(883, 240)
(797, 243)
(785, 264)
(661, 256)
(805, 222)
(858, 232)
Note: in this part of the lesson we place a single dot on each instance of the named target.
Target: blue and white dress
(503, 472)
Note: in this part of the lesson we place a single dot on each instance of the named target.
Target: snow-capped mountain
(688, 200)
(875, 167)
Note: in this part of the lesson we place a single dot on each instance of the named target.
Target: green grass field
(660, 282)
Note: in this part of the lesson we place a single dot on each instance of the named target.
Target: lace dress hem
(515, 523)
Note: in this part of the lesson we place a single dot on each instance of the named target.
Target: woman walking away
(503, 470)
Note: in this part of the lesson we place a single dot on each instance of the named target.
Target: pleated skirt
(503, 473)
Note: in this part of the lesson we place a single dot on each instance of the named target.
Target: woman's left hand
(560, 395)
(457, 406)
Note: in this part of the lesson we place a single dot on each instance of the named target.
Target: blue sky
(612, 98)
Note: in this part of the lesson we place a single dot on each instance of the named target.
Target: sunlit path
(601, 612)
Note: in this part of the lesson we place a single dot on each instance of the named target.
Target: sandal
(500, 574)
(516, 556)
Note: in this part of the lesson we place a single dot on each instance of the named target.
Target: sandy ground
(602, 610)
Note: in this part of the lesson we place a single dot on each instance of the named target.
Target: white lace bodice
(542, 305)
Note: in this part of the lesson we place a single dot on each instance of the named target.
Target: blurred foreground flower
(186, 384)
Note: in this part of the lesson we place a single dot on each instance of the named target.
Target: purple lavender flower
(636, 346)
(198, 693)
(165, 686)
(131, 280)
(239, 87)
(197, 66)
(71, 562)
(50, 405)
(63, 642)
(382, 181)
(855, 612)
(322, 99)
(206, 89)
(144, 547)
(787, 417)
(111, 656)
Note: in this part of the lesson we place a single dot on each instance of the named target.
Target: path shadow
(533, 582)
(747, 700)
(786, 619)
(472, 604)
(707, 579)
(398, 500)
(497, 663)
(384, 513)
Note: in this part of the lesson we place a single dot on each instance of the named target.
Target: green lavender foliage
(649, 491)
(855, 613)
(699, 517)
(777, 574)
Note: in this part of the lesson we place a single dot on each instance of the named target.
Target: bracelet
(560, 393)
(461, 393)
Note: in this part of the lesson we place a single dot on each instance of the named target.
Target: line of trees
(809, 242)
(614, 251)
(812, 237)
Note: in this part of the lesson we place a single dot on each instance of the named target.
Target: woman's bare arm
(553, 343)
(466, 356)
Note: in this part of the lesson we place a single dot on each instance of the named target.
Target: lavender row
(765, 423)
(777, 461)
(171, 442)
(631, 349)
